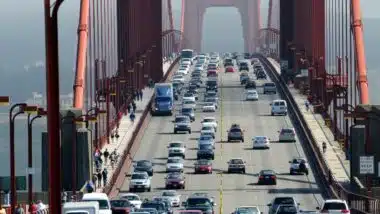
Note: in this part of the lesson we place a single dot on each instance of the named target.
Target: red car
(175, 180)
(203, 166)
(230, 69)
(212, 73)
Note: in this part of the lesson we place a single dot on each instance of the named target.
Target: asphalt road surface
(232, 190)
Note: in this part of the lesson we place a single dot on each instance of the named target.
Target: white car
(279, 107)
(252, 95)
(183, 71)
(247, 209)
(186, 62)
(334, 206)
(178, 79)
(199, 67)
(176, 149)
(173, 197)
(189, 96)
(209, 107)
(295, 166)
(174, 164)
(260, 142)
(140, 181)
(208, 130)
(189, 103)
(134, 199)
(210, 121)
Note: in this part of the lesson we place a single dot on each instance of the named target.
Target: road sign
(366, 165)
(5, 183)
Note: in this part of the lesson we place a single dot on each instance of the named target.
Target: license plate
(266, 177)
(174, 185)
(139, 186)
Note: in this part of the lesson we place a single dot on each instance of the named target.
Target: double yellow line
(221, 149)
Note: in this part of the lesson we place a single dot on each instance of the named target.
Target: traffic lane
(255, 118)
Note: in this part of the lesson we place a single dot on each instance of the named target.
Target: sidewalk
(334, 156)
(126, 129)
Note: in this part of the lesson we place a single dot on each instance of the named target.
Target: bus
(187, 53)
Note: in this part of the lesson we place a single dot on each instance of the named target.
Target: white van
(279, 107)
(102, 199)
(88, 207)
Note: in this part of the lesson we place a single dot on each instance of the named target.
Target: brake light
(273, 176)
(345, 211)
(261, 177)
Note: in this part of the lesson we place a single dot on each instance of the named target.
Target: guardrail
(126, 157)
(359, 203)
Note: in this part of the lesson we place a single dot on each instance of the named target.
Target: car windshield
(188, 102)
(174, 160)
(286, 210)
(247, 210)
(208, 120)
(211, 99)
(143, 163)
(163, 99)
(209, 104)
(103, 204)
(169, 193)
(157, 206)
(198, 202)
(270, 84)
(120, 203)
(236, 161)
(285, 200)
(287, 131)
(188, 95)
(138, 176)
(205, 137)
(207, 128)
(203, 162)
(187, 110)
(174, 176)
(205, 147)
(131, 197)
(181, 119)
(334, 206)
(235, 130)
(175, 145)
(260, 138)
(267, 172)
(148, 210)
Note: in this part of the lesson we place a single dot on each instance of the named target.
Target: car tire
(228, 171)
(175, 131)
(291, 172)
(242, 140)
(275, 183)
(189, 131)
(149, 189)
(272, 114)
(243, 171)
(228, 140)
(183, 187)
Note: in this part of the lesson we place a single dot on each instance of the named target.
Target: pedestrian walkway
(126, 129)
(334, 156)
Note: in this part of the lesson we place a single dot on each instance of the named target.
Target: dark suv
(202, 203)
(235, 133)
(250, 84)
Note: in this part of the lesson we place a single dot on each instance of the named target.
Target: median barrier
(332, 189)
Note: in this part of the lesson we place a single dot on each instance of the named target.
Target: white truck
(84, 207)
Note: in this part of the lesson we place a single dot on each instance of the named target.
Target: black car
(159, 206)
(144, 166)
(267, 177)
(247, 56)
(205, 152)
(202, 203)
(250, 85)
(166, 202)
(261, 75)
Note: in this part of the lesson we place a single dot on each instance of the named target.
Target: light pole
(39, 113)
(12, 118)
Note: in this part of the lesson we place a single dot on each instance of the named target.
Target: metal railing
(359, 203)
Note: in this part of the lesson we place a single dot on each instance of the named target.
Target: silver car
(173, 197)
(174, 164)
(287, 135)
(206, 140)
(177, 148)
(208, 130)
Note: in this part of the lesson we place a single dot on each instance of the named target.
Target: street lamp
(39, 113)
(12, 117)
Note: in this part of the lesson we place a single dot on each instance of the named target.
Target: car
(208, 130)
(213, 100)
(266, 177)
(279, 107)
(211, 94)
(230, 69)
(189, 96)
(260, 142)
(261, 75)
(140, 181)
(145, 211)
(173, 197)
(202, 203)
(174, 164)
(251, 95)
(205, 151)
(250, 85)
(144, 166)
(188, 111)
(165, 201)
(212, 66)
(247, 210)
(189, 103)
(209, 107)
(199, 66)
(287, 135)
(295, 166)
(206, 139)
(203, 166)
(281, 200)
(244, 78)
(175, 181)
(212, 73)
(193, 88)
(134, 199)
(182, 123)
(176, 149)
(189, 211)
(178, 78)
(157, 205)
(236, 165)
(269, 87)
(227, 64)
(287, 209)
(212, 84)
(210, 121)
(334, 206)
(235, 133)
(122, 206)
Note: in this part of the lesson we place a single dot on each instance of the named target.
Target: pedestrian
(99, 175)
(129, 108)
(141, 95)
(19, 209)
(33, 208)
(132, 116)
(40, 205)
(95, 180)
(104, 174)
(106, 155)
(64, 196)
(90, 186)
(307, 104)
(134, 106)
(98, 164)
(137, 95)
(324, 147)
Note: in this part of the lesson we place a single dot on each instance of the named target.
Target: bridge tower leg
(250, 16)
(286, 31)
(191, 26)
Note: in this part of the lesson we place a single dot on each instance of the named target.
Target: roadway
(232, 190)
